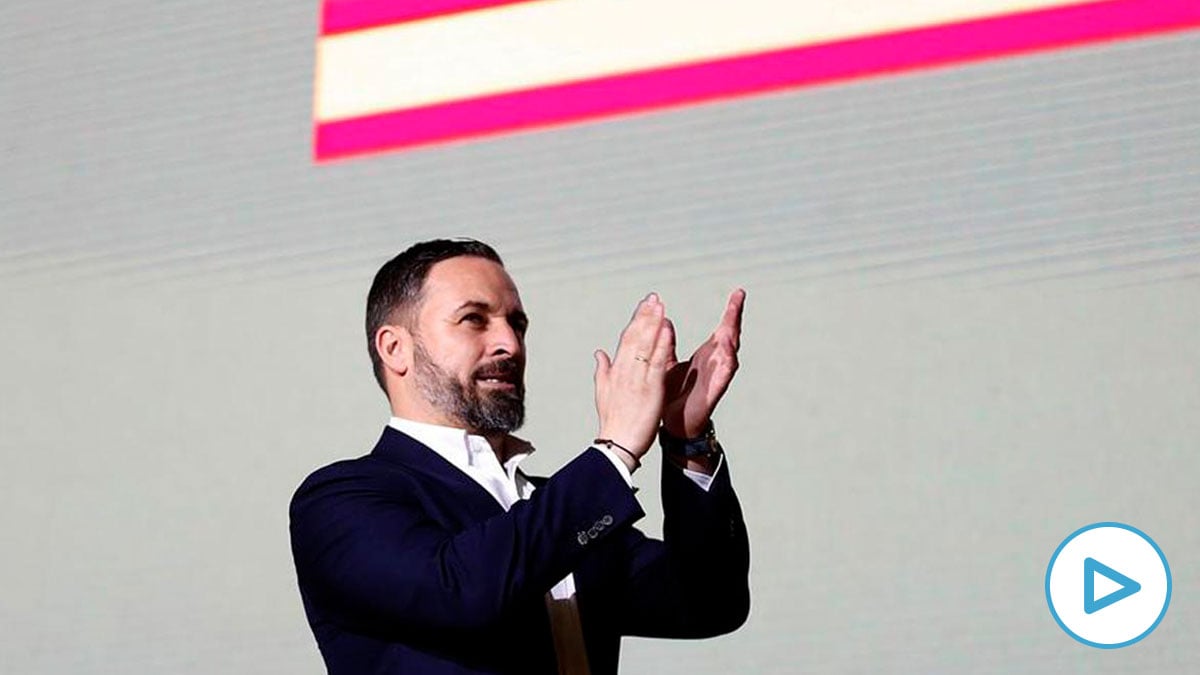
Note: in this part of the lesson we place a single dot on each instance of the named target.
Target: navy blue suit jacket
(406, 565)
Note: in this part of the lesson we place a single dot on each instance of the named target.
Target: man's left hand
(694, 387)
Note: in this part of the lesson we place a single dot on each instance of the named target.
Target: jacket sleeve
(694, 583)
(371, 553)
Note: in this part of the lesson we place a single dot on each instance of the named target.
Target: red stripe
(809, 65)
(343, 16)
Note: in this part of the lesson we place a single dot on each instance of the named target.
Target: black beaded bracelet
(613, 445)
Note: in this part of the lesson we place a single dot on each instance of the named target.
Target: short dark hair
(398, 285)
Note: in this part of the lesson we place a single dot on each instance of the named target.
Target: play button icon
(1094, 602)
(1125, 586)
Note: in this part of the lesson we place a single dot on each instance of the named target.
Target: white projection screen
(971, 329)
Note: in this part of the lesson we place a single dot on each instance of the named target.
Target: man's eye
(477, 319)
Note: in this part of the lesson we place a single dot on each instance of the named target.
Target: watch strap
(704, 445)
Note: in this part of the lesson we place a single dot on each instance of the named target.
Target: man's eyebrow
(482, 306)
(474, 304)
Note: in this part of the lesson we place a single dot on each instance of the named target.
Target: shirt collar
(457, 446)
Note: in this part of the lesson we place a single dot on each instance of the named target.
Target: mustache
(499, 369)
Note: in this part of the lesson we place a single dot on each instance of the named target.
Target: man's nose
(505, 340)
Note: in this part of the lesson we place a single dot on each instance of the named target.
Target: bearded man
(435, 553)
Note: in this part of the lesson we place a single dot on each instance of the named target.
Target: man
(435, 554)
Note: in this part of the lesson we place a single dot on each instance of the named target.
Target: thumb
(603, 363)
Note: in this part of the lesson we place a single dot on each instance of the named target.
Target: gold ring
(641, 358)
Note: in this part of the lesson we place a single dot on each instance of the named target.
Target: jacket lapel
(399, 448)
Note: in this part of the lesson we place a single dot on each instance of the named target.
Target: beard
(476, 409)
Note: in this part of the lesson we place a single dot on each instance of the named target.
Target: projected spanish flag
(405, 73)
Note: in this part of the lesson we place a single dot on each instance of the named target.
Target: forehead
(455, 281)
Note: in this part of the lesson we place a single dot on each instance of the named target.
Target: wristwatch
(704, 445)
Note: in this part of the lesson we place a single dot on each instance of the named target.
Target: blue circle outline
(1148, 540)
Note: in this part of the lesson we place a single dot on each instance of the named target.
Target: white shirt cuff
(616, 462)
(701, 479)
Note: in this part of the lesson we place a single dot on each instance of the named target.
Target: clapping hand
(630, 385)
(694, 387)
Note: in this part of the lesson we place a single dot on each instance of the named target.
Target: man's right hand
(630, 385)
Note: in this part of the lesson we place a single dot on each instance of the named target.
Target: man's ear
(395, 347)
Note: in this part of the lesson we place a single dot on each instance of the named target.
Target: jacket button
(607, 520)
(582, 539)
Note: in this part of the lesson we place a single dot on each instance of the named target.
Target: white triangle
(1104, 586)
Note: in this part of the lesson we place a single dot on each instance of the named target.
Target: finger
(644, 303)
(672, 357)
(664, 346)
(639, 337)
(731, 320)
